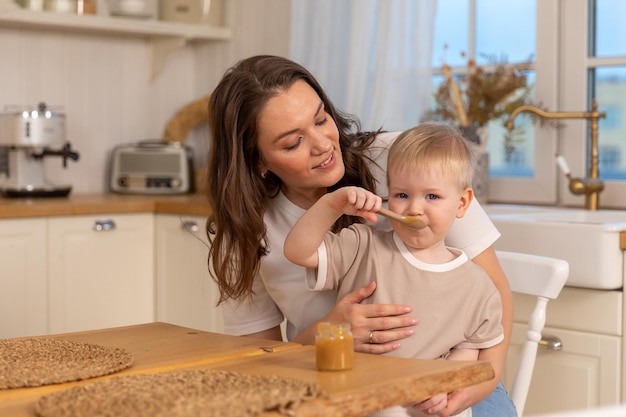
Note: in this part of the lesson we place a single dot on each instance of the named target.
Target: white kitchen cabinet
(186, 294)
(101, 271)
(23, 277)
(586, 372)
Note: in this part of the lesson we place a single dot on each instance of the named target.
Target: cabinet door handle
(191, 226)
(550, 342)
(103, 225)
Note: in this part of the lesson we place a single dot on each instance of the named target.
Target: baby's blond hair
(433, 145)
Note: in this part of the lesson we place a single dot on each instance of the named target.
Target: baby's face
(430, 195)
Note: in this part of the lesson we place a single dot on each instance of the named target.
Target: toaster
(151, 167)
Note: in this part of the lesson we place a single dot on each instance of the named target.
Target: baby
(429, 176)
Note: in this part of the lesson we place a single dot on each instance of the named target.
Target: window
(482, 30)
(578, 55)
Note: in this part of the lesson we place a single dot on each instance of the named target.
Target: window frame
(575, 64)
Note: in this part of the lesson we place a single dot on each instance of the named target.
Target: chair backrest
(539, 276)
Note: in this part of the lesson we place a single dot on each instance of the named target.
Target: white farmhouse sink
(588, 240)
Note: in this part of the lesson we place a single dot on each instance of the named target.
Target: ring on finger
(371, 340)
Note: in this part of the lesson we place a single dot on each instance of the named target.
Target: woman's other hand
(376, 328)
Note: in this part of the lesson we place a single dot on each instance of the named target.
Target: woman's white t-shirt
(280, 289)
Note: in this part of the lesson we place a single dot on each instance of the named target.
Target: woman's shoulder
(377, 154)
(474, 232)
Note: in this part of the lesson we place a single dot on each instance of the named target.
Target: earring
(264, 174)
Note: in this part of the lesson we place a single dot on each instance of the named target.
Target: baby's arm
(308, 233)
(457, 354)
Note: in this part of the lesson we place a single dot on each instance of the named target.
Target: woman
(278, 144)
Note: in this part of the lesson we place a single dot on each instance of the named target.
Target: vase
(480, 183)
(472, 133)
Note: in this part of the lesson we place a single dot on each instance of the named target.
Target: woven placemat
(31, 362)
(179, 394)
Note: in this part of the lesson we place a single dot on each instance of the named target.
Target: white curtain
(372, 57)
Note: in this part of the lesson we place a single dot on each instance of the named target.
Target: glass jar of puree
(334, 347)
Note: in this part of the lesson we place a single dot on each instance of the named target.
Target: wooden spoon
(411, 221)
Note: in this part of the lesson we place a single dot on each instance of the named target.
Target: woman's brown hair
(238, 195)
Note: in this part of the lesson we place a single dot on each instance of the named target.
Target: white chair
(544, 278)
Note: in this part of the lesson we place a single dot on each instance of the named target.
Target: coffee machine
(27, 136)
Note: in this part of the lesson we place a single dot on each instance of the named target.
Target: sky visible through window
(502, 31)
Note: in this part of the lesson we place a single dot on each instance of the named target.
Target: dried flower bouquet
(482, 94)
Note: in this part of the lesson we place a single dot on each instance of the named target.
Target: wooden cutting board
(374, 383)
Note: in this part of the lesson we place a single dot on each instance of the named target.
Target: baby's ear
(464, 202)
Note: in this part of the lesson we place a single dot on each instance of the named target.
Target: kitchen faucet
(592, 185)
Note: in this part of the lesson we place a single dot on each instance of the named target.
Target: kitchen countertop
(105, 203)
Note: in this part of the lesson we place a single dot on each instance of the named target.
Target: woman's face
(299, 142)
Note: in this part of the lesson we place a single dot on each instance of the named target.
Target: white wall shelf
(164, 37)
(126, 26)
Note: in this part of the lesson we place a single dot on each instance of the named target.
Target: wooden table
(375, 382)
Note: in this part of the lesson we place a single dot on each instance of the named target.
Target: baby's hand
(432, 405)
(357, 201)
